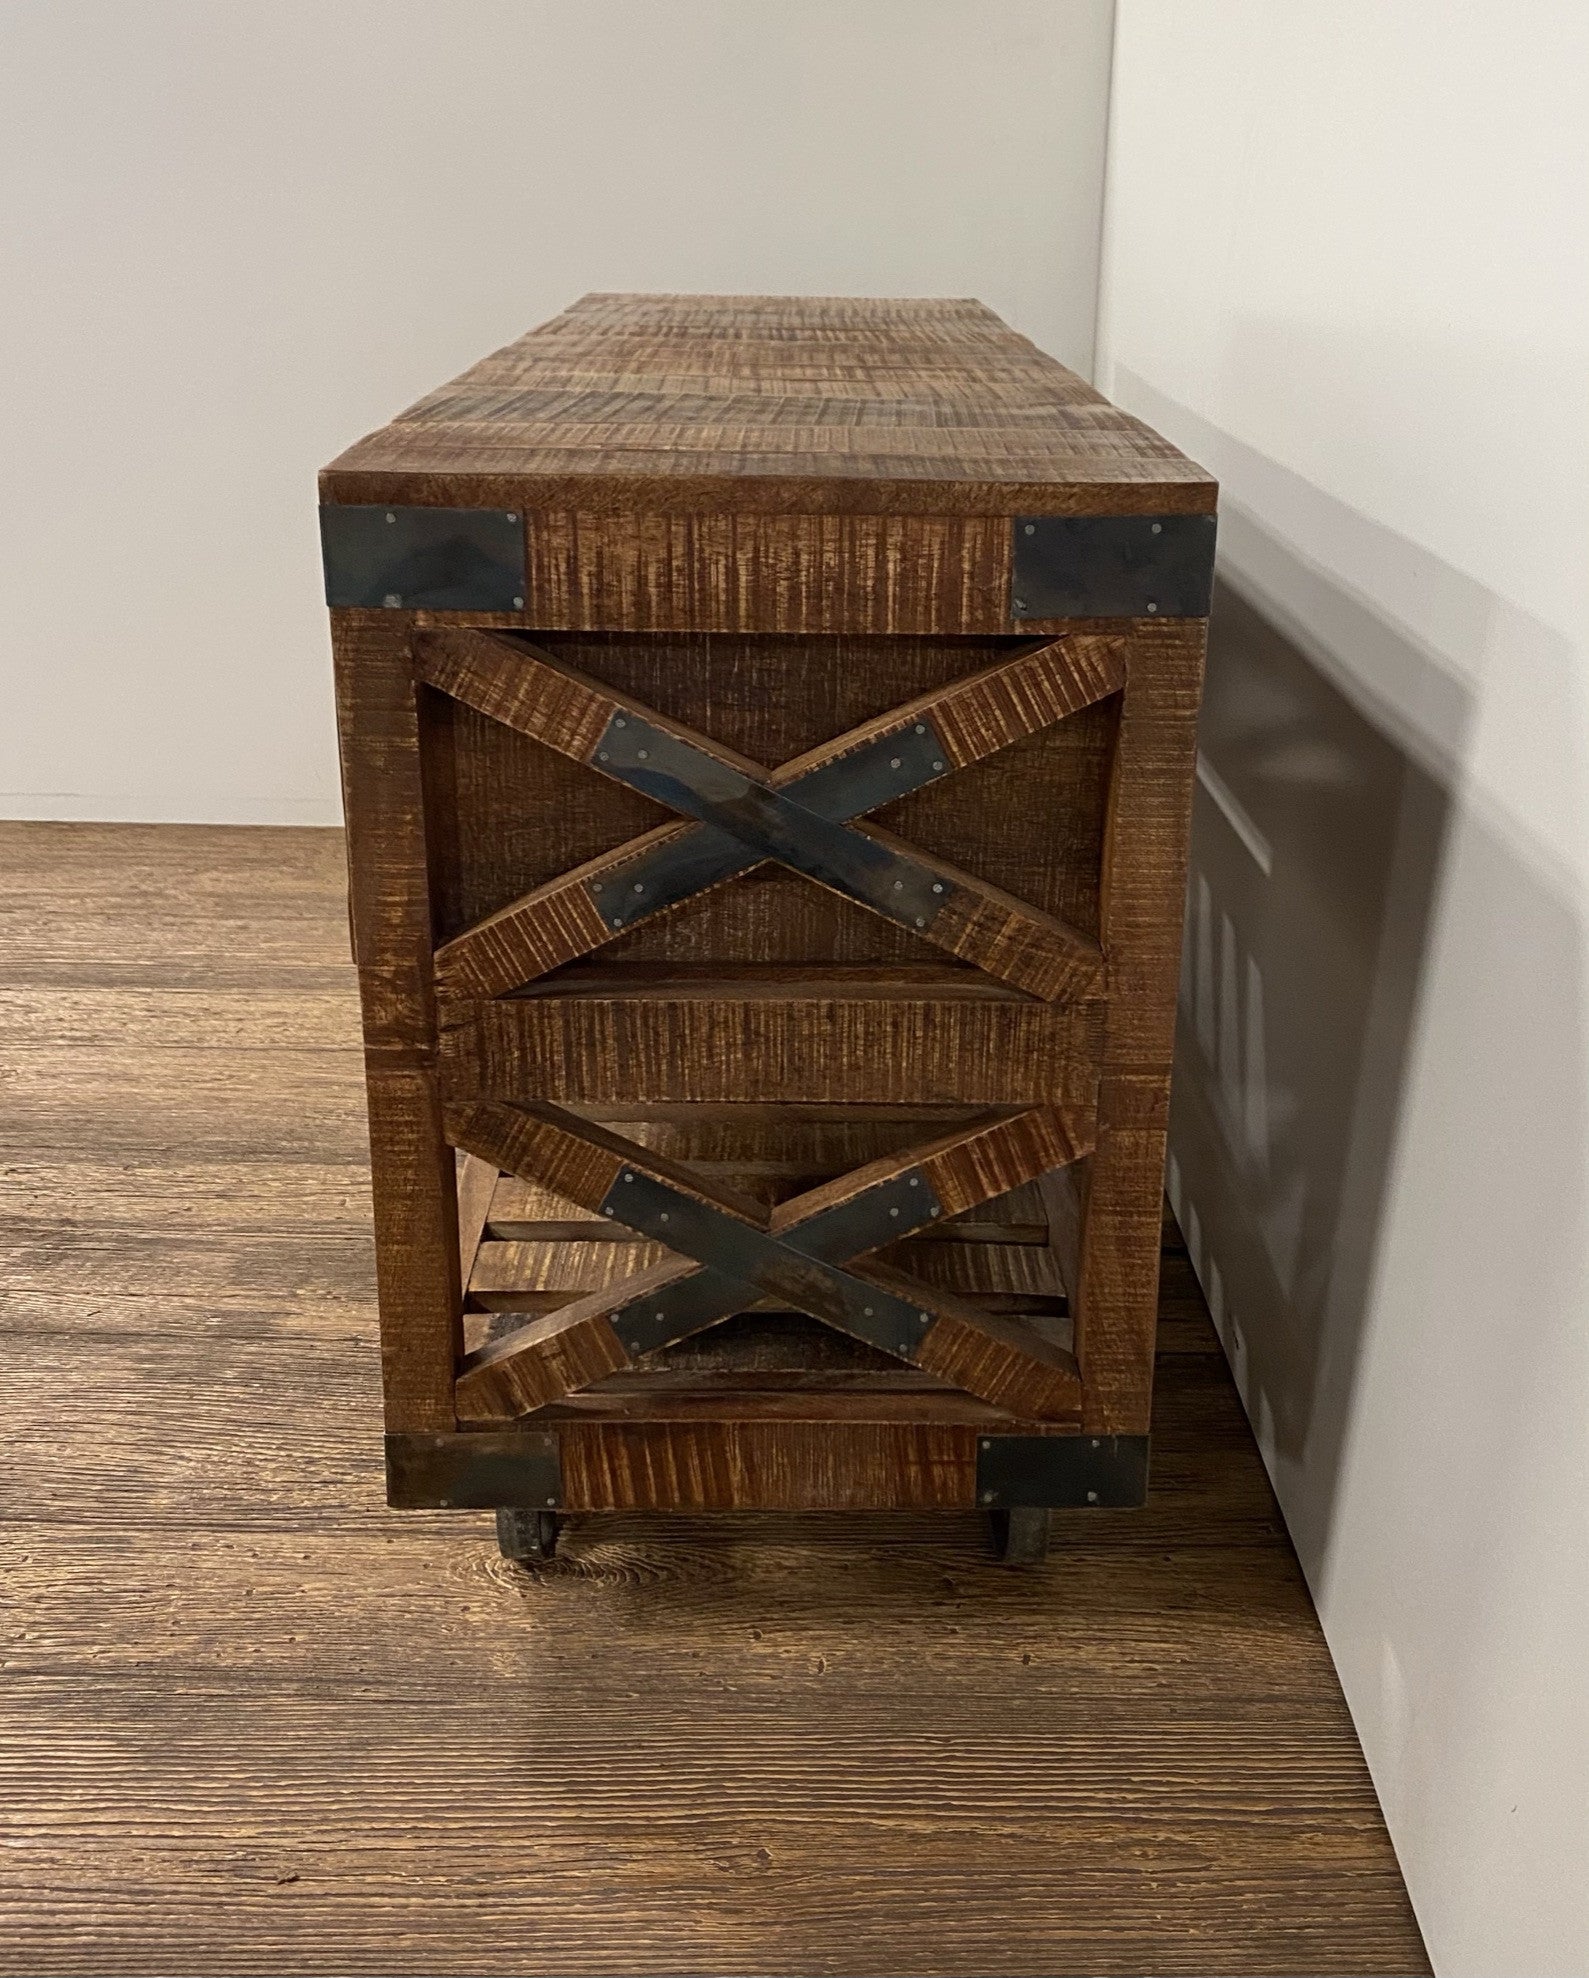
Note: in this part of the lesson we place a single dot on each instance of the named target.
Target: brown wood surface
(1144, 890)
(632, 1036)
(413, 1174)
(477, 1186)
(253, 1723)
(770, 404)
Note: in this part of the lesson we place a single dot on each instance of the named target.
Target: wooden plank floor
(250, 1722)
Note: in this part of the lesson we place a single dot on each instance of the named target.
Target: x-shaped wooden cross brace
(801, 815)
(732, 1255)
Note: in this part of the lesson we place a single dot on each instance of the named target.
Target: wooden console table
(768, 737)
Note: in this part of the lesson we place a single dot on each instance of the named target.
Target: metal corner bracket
(474, 1471)
(1111, 566)
(1062, 1472)
(423, 559)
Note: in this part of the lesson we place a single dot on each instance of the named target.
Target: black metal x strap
(744, 1263)
(746, 820)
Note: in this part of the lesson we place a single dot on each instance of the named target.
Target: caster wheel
(525, 1535)
(1020, 1536)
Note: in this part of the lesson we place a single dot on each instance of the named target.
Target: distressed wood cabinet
(768, 736)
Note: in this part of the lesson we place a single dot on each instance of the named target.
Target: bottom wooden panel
(767, 1466)
(759, 1454)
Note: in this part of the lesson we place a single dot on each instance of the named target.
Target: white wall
(237, 237)
(1345, 255)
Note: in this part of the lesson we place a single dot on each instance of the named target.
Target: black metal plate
(769, 823)
(867, 1221)
(1112, 566)
(423, 559)
(689, 1304)
(474, 1472)
(766, 1265)
(1062, 1471)
(868, 777)
(877, 1217)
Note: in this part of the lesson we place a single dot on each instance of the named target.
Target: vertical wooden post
(413, 1172)
(1144, 883)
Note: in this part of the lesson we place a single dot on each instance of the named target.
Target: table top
(803, 404)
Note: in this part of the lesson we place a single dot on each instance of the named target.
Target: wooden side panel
(767, 1466)
(649, 572)
(528, 815)
(413, 1173)
(541, 696)
(665, 1047)
(1143, 899)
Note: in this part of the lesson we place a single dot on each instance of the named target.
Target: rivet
(937, 886)
(619, 722)
(937, 765)
(663, 1217)
(1158, 528)
(391, 600)
(390, 516)
(935, 1210)
(550, 1502)
(518, 604)
(1031, 530)
(644, 754)
(617, 920)
(659, 1315)
(921, 920)
(899, 885)
(925, 1317)
(1092, 1497)
(1152, 606)
(921, 727)
(893, 1212)
(893, 762)
(606, 1212)
(513, 515)
(915, 1181)
(987, 1497)
(987, 1442)
(596, 888)
(1095, 1443)
(627, 1175)
(1018, 603)
(638, 887)
(866, 1311)
(601, 755)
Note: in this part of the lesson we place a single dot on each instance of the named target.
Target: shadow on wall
(1345, 867)
(1316, 857)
